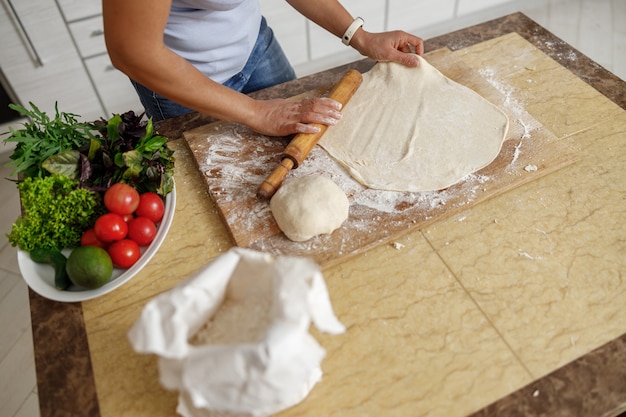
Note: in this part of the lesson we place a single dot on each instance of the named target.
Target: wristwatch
(347, 36)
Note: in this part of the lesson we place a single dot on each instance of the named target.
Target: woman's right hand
(281, 117)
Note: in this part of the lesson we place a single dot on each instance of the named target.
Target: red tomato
(89, 238)
(121, 198)
(110, 227)
(142, 230)
(128, 217)
(150, 206)
(124, 253)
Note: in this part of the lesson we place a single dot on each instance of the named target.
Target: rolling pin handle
(301, 144)
(294, 161)
(272, 183)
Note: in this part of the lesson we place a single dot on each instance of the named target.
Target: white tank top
(216, 36)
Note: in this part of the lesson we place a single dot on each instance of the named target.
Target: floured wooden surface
(233, 160)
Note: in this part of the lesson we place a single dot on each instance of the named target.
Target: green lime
(89, 267)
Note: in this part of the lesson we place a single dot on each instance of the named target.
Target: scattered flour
(568, 55)
(397, 245)
(516, 153)
(526, 134)
(510, 102)
(239, 178)
(513, 106)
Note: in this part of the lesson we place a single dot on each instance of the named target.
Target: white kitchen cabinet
(89, 36)
(323, 43)
(39, 62)
(470, 6)
(54, 51)
(412, 15)
(289, 28)
(80, 9)
(113, 86)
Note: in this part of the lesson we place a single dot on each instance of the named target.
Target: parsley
(55, 213)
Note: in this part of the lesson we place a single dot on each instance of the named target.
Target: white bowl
(40, 277)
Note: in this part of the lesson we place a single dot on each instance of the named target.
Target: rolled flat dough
(304, 207)
(414, 129)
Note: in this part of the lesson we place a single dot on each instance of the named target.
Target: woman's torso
(216, 36)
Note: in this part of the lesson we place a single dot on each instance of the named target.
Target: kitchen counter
(513, 307)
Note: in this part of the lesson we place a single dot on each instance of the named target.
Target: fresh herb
(44, 137)
(55, 213)
(65, 166)
(128, 150)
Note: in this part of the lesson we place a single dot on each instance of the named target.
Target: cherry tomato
(150, 206)
(142, 230)
(89, 238)
(110, 227)
(128, 217)
(124, 253)
(121, 198)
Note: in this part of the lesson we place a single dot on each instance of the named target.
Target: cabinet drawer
(79, 9)
(113, 86)
(48, 69)
(89, 36)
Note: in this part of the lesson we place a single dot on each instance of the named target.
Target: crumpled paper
(256, 377)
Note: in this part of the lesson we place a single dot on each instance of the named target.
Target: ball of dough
(308, 206)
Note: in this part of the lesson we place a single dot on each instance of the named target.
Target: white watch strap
(356, 24)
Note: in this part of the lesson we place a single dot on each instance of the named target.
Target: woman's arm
(134, 38)
(396, 46)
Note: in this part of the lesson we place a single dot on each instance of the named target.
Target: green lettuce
(55, 213)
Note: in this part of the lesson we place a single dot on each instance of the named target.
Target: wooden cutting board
(233, 160)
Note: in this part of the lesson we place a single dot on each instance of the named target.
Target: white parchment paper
(234, 338)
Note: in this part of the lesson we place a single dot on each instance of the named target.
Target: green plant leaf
(149, 132)
(94, 146)
(64, 163)
(154, 143)
(118, 159)
(133, 161)
(43, 137)
(113, 128)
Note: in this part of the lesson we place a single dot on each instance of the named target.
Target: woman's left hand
(395, 46)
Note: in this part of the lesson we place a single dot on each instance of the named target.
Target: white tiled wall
(308, 46)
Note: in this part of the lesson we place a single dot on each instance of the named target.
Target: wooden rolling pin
(300, 146)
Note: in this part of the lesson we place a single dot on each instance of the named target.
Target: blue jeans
(266, 66)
